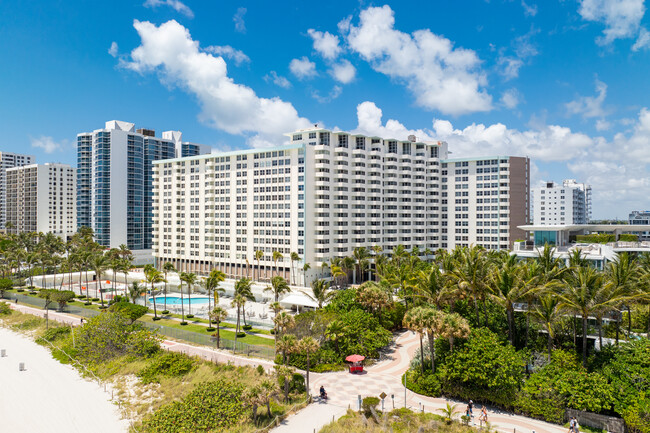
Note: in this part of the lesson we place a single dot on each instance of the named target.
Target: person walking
(572, 425)
(470, 405)
(483, 416)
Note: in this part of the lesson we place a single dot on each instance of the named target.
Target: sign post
(382, 396)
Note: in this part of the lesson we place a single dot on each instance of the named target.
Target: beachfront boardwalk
(344, 388)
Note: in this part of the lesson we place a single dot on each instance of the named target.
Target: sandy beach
(49, 396)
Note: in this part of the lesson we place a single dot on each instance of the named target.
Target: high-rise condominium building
(554, 204)
(323, 195)
(9, 160)
(42, 198)
(114, 169)
(485, 199)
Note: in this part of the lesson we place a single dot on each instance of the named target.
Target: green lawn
(223, 324)
(226, 335)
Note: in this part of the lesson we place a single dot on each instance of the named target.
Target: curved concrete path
(344, 389)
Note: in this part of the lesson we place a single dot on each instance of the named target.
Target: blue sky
(562, 81)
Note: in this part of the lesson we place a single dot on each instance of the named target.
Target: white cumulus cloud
(303, 68)
(177, 5)
(622, 18)
(343, 72)
(278, 80)
(113, 50)
(511, 98)
(230, 53)
(47, 144)
(238, 19)
(169, 51)
(325, 43)
(590, 106)
(440, 76)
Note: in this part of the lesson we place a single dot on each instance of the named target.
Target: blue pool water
(176, 300)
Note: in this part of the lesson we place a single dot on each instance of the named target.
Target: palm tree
(277, 255)
(218, 315)
(547, 313)
(212, 284)
(99, 264)
(505, 283)
(432, 321)
(337, 272)
(471, 275)
(278, 286)
(181, 279)
(454, 326)
(347, 265)
(402, 279)
(360, 255)
(286, 373)
(581, 295)
(320, 294)
(286, 345)
(413, 320)
(237, 301)
(333, 332)
(307, 346)
(258, 256)
(135, 291)
(188, 278)
(114, 263)
(167, 267)
(431, 286)
(373, 297)
(243, 293)
(622, 275)
(448, 412)
(153, 277)
(305, 268)
(283, 321)
(294, 258)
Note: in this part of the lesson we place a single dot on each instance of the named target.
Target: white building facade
(484, 201)
(9, 160)
(42, 198)
(554, 204)
(322, 195)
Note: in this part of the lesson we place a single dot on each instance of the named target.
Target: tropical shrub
(5, 284)
(483, 369)
(629, 373)
(56, 333)
(637, 416)
(297, 383)
(369, 403)
(4, 309)
(168, 364)
(131, 311)
(210, 407)
(427, 384)
(111, 335)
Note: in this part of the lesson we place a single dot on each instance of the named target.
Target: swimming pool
(176, 300)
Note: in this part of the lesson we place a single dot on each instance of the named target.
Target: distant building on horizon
(42, 198)
(114, 180)
(9, 160)
(555, 204)
(642, 217)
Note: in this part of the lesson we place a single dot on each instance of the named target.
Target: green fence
(238, 347)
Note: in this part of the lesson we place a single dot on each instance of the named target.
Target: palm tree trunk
(165, 301)
(308, 373)
(182, 304)
(600, 332)
(421, 356)
(584, 340)
(478, 318)
(432, 349)
(218, 334)
(101, 295)
(550, 346)
(485, 314)
(629, 322)
(155, 311)
(510, 333)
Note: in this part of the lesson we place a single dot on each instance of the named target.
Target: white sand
(49, 396)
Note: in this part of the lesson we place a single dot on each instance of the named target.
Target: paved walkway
(344, 389)
(203, 352)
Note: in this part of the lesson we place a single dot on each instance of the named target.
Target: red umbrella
(355, 358)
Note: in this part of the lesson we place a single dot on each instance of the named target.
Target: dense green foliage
(211, 407)
(4, 309)
(5, 284)
(111, 335)
(132, 311)
(170, 364)
(483, 369)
